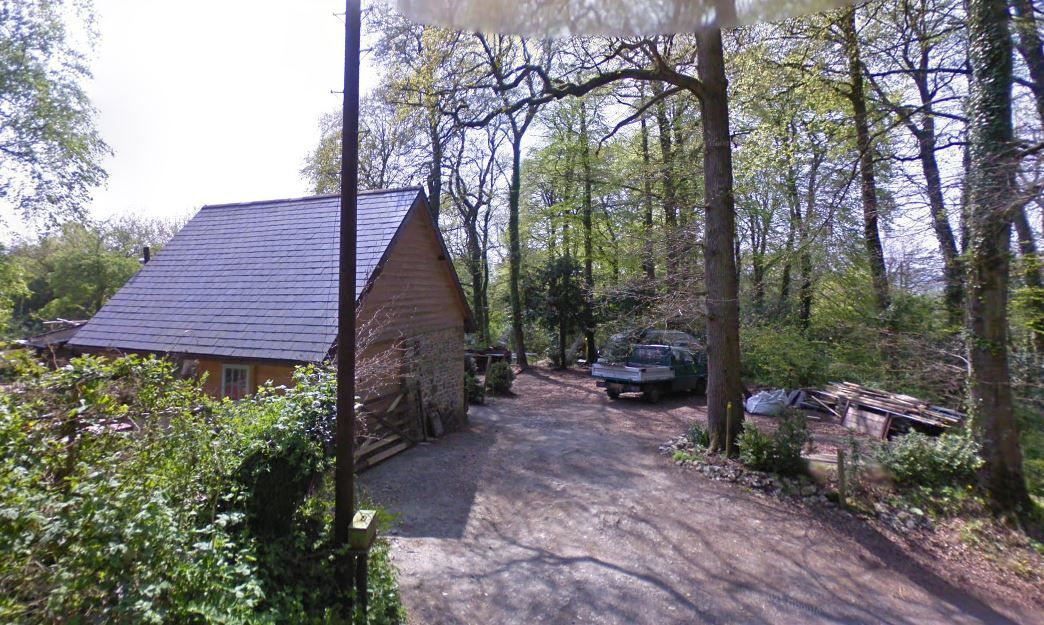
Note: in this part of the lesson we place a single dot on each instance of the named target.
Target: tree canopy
(50, 151)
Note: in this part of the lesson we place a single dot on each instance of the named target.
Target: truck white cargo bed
(637, 374)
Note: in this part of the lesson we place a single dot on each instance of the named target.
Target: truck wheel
(653, 394)
(612, 394)
(701, 387)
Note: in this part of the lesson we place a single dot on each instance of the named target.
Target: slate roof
(256, 280)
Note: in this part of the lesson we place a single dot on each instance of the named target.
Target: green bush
(162, 508)
(918, 460)
(782, 357)
(16, 363)
(755, 448)
(698, 436)
(779, 453)
(788, 440)
(499, 377)
(473, 390)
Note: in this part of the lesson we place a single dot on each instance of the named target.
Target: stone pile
(897, 516)
(722, 470)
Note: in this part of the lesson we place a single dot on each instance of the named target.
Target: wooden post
(344, 466)
(842, 489)
(728, 429)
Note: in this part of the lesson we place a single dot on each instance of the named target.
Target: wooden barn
(246, 292)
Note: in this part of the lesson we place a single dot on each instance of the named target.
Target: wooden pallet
(875, 412)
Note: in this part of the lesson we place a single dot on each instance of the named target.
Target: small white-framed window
(235, 381)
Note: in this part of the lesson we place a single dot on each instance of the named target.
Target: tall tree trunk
(927, 142)
(435, 170)
(514, 248)
(1032, 53)
(757, 276)
(794, 208)
(648, 255)
(1030, 49)
(588, 211)
(475, 269)
(683, 193)
(868, 184)
(670, 187)
(485, 284)
(669, 183)
(805, 291)
(990, 189)
(1031, 273)
(724, 387)
(953, 267)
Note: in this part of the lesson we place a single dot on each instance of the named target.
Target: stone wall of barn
(436, 364)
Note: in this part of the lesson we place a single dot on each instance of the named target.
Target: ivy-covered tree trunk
(991, 187)
(724, 387)
(868, 183)
(514, 248)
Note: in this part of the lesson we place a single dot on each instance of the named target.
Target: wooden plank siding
(414, 292)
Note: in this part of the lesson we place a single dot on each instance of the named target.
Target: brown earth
(554, 506)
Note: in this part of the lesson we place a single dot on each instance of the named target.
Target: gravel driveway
(554, 507)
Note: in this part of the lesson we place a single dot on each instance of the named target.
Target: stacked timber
(877, 412)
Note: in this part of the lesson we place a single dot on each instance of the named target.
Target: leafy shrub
(698, 436)
(16, 363)
(918, 460)
(129, 496)
(499, 377)
(755, 448)
(782, 357)
(473, 390)
(778, 453)
(788, 440)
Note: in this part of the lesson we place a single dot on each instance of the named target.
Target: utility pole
(344, 471)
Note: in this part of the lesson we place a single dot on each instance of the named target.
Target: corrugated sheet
(255, 280)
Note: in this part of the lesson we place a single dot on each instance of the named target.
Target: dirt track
(554, 507)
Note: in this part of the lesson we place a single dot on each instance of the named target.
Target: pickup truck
(653, 370)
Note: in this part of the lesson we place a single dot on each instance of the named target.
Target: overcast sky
(210, 101)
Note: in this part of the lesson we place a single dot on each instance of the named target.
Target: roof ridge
(307, 198)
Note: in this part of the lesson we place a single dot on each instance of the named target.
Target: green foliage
(71, 272)
(782, 357)
(19, 363)
(684, 456)
(779, 453)
(557, 301)
(129, 496)
(12, 287)
(756, 449)
(919, 460)
(499, 377)
(474, 392)
(698, 436)
(51, 153)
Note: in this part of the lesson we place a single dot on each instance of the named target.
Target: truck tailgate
(633, 374)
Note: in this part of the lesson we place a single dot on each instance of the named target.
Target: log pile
(878, 413)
